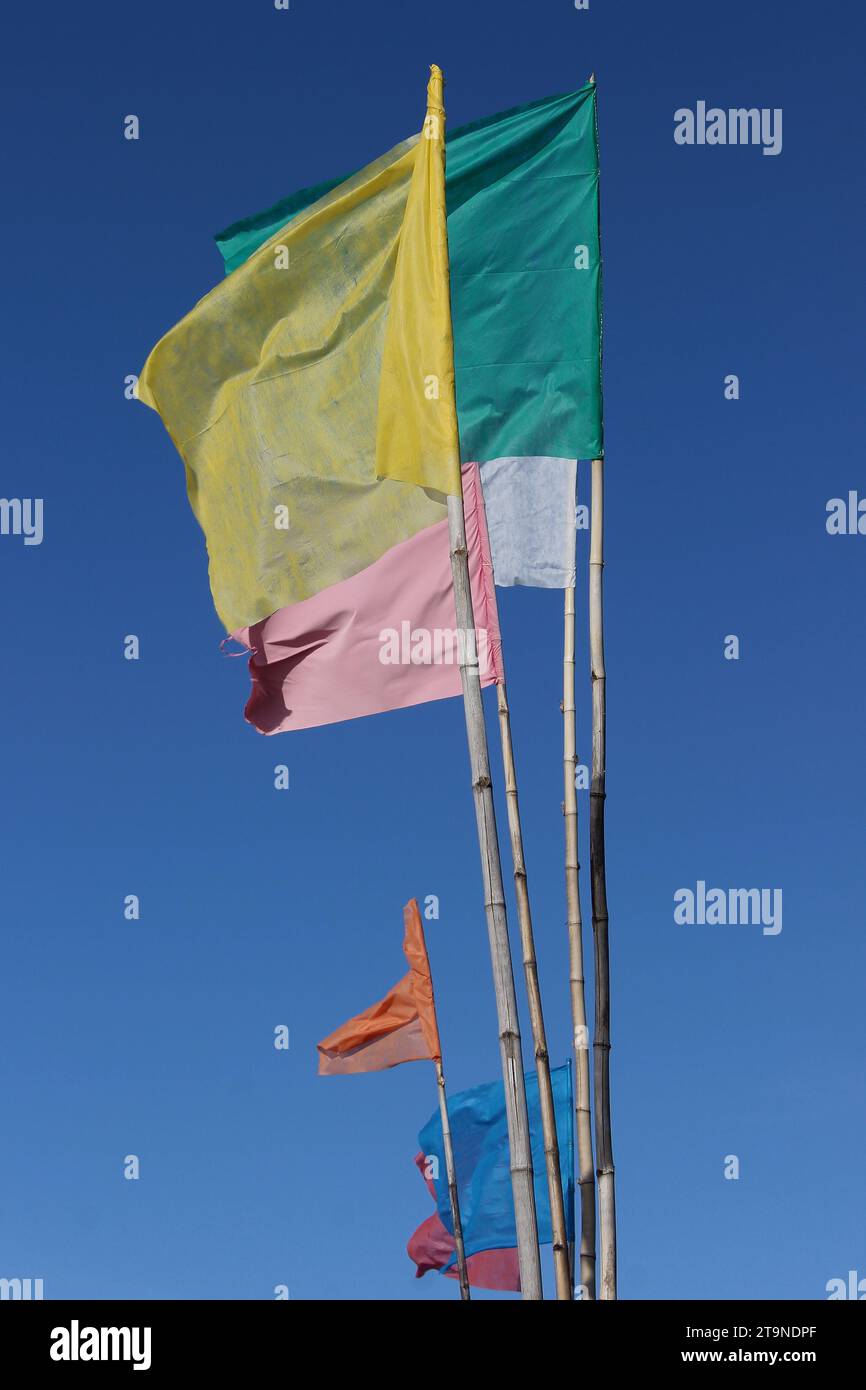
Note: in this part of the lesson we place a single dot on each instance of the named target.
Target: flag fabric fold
(382, 640)
(432, 1247)
(479, 1132)
(415, 951)
(401, 1027)
(416, 440)
(272, 387)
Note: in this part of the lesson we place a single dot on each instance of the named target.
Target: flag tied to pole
(479, 1134)
(402, 1027)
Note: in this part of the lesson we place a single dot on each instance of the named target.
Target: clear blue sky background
(262, 907)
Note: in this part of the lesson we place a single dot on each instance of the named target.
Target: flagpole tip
(592, 79)
(435, 88)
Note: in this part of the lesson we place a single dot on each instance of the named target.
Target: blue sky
(261, 907)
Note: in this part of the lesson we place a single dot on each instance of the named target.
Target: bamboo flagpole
(497, 923)
(559, 1230)
(516, 1110)
(451, 1174)
(586, 1169)
(601, 1039)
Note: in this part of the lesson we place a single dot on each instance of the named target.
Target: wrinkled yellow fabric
(270, 388)
(417, 430)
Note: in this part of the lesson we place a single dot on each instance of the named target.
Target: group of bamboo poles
(566, 1267)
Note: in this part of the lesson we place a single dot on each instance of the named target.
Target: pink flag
(382, 640)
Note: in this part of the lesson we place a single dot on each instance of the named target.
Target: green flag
(522, 202)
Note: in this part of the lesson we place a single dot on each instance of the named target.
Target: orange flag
(402, 1027)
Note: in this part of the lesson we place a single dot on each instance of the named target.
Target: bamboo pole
(580, 1032)
(451, 1173)
(601, 1039)
(497, 923)
(561, 1264)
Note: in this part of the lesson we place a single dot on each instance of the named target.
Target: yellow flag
(305, 460)
(417, 428)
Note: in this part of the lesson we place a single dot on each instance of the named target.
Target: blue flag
(480, 1135)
